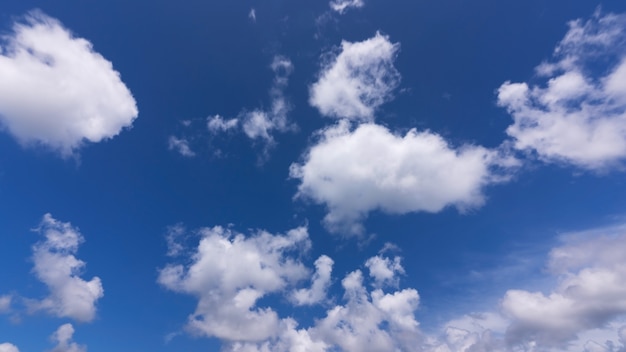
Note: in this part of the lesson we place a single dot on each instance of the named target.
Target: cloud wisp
(56, 91)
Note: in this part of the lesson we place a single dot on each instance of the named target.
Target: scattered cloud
(217, 124)
(7, 347)
(342, 5)
(63, 338)
(252, 15)
(259, 124)
(355, 171)
(58, 268)
(579, 115)
(181, 145)
(56, 91)
(358, 80)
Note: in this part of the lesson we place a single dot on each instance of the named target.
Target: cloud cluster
(57, 267)
(230, 272)
(342, 6)
(354, 83)
(56, 90)
(356, 171)
(579, 115)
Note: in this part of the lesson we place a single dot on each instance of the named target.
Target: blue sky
(352, 175)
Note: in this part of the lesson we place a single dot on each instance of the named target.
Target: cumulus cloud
(578, 116)
(342, 5)
(56, 90)
(584, 311)
(591, 292)
(7, 347)
(230, 273)
(58, 268)
(358, 80)
(180, 145)
(63, 338)
(369, 168)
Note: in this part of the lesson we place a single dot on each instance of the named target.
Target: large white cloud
(58, 268)
(579, 115)
(56, 90)
(358, 80)
(355, 171)
(63, 338)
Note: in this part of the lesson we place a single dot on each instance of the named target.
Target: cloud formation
(342, 5)
(355, 171)
(181, 145)
(58, 268)
(354, 83)
(56, 91)
(63, 338)
(578, 116)
(230, 272)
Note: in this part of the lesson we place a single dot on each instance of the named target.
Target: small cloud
(180, 145)
(342, 5)
(252, 15)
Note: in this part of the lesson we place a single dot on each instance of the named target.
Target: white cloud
(369, 168)
(384, 270)
(217, 124)
(229, 273)
(56, 91)
(358, 80)
(63, 338)
(261, 124)
(342, 5)
(58, 268)
(180, 145)
(7, 347)
(319, 286)
(591, 292)
(579, 115)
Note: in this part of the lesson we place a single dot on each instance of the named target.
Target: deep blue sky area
(184, 62)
